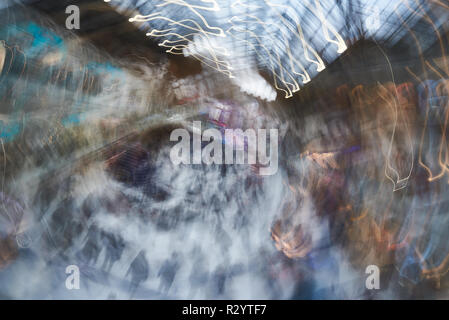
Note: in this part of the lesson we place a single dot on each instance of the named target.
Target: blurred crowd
(86, 179)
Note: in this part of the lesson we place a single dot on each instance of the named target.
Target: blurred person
(167, 273)
(139, 270)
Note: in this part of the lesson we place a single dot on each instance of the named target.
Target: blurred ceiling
(289, 40)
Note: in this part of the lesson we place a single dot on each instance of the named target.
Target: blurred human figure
(218, 281)
(114, 245)
(199, 273)
(168, 272)
(139, 270)
(92, 248)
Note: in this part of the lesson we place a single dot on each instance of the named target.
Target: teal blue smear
(42, 37)
(9, 131)
(101, 68)
(72, 119)
(107, 67)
